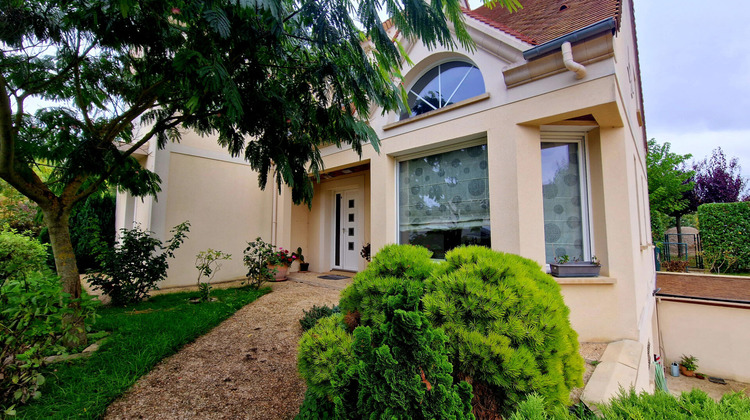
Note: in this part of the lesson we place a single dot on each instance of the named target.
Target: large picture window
(564, 189)
(444, 200)
(444, 85)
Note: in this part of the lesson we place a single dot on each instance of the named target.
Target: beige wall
(718, 336)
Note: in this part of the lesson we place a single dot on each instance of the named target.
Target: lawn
(141, 336)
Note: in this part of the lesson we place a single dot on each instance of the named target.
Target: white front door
(346, 243)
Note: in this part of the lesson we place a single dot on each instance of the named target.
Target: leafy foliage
(670, 185)
(92, 222)
(257, 257)
(18, 212)
(725, 235)
(312, 316)
(675, 266)
(31, 326)
(507, 325)
(134, 266)
(19, 255)
(718, 180)
(208, 263)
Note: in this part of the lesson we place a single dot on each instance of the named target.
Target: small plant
(689, 362)
(136, 264)
(365, 252)
(596, 261)
(312, 316)
(562, 259)
(257, 257)
(298, 255)
(208, 263)
(282, 257)
(19, 255)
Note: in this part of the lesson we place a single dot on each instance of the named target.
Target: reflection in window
(444, 85)
(565, 204)
(444, 200)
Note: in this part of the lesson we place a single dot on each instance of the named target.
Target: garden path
(245, 368)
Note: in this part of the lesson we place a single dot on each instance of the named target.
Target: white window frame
(584, 183)
(432, 66)
(434, 151)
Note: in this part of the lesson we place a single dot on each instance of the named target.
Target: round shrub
(397, 272)
(20, 255)
(321, 349)
(507, 326)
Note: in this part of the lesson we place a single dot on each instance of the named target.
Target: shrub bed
(725, 234)
(496, 320)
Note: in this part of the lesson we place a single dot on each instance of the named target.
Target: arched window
(443, 85)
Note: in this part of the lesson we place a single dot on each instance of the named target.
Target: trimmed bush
(507, 325)
(20, 255)
(394, 270)
(312, 316)
(321, 349)
(725, 235)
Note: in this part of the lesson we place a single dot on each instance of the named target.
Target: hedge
(725, 234)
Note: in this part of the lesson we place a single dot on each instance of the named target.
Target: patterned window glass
(564, 202)
(444, 200)
(444, 85)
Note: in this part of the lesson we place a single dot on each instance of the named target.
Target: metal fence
(683, 247)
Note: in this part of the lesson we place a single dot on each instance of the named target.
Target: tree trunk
(678, 225)
(57, 220)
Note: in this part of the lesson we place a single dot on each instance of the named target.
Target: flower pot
(686, 372)
(304, 266)
(575, 269)
(281, 271)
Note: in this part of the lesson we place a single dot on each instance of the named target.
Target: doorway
(346, 242)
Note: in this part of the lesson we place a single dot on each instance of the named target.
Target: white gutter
(570, 64)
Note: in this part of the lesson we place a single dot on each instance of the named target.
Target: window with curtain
(565, 201)
(443, 85)
(444, 200)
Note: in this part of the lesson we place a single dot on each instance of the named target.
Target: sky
(695, 72)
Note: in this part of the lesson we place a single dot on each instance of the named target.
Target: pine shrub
(312, 316)
(507, 326)
(394, 270)
(321, 349)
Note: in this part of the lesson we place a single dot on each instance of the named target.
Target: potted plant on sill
(564, 267)
(303, 266)
(688, 365)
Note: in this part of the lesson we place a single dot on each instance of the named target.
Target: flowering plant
(282, 257)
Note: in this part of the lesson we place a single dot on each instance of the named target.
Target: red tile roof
(544, 20)
(705, 287)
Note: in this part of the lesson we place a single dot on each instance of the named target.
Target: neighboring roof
(544, 20)
(704, 287)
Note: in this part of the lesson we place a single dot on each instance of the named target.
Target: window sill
(585, 280)
(420, 117)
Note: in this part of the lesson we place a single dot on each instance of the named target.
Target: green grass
(141, 336)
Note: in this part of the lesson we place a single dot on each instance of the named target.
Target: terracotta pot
(281, 271)
(686, 372)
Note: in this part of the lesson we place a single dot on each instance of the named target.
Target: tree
(272, 79)
(718, 181)
(670, 185)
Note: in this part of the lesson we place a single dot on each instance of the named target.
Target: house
(532, 144)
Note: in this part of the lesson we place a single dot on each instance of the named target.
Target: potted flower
(280, 261)
(564, 267)
(688, 365)
(303, 266)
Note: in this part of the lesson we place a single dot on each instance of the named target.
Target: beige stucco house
(532, 144)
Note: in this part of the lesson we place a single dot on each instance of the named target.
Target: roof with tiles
(541, 21)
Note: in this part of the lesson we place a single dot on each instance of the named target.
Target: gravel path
(245, 368)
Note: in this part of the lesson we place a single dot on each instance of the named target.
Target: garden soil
(245, 368)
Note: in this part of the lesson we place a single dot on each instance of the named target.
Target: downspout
(274, 215)
(570, 64)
